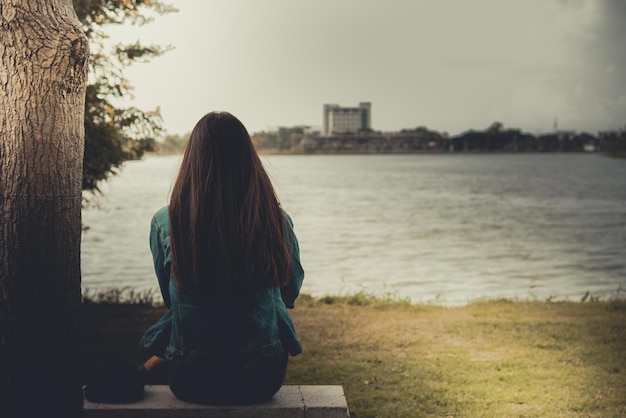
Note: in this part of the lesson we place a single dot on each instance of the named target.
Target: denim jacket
(203, 327)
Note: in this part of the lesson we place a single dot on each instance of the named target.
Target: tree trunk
(43, 73)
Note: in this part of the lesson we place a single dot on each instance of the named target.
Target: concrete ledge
(289, 402)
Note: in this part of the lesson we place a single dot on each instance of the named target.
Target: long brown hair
(227, 228)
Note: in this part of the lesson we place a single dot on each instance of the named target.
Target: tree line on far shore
(302, 139)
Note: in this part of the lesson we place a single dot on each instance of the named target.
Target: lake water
(446, 229)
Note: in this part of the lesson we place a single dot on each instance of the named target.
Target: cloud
(593, 84)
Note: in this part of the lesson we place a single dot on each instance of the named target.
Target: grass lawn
(394, 359)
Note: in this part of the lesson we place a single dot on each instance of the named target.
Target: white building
(339, 119)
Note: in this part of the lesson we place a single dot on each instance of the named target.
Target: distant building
(339, 119)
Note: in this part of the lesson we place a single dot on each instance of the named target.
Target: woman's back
(208, 323)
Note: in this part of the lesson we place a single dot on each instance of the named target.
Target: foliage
(172, 144)
(496, 138)
(616, 143)
(115, 133)
(125, 295)
(283, 139)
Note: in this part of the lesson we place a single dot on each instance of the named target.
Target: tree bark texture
(43, 73)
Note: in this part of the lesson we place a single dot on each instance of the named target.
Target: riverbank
(395, 359)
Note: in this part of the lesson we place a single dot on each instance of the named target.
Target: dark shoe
(117, 382)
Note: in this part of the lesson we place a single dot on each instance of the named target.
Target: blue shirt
(203, 327)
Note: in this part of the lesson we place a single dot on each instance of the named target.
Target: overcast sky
(449, 65)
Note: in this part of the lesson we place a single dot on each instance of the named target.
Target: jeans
(224, 384)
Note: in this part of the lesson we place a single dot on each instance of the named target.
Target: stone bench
(290, 402)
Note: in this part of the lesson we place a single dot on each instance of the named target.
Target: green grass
(395, 359)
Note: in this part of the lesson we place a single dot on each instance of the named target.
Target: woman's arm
(291, 291)
(160, 259)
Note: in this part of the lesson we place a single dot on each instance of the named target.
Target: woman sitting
(228, 266)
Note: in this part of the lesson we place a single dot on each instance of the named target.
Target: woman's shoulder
(162, 213)
(162, 218)
(288, 219)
